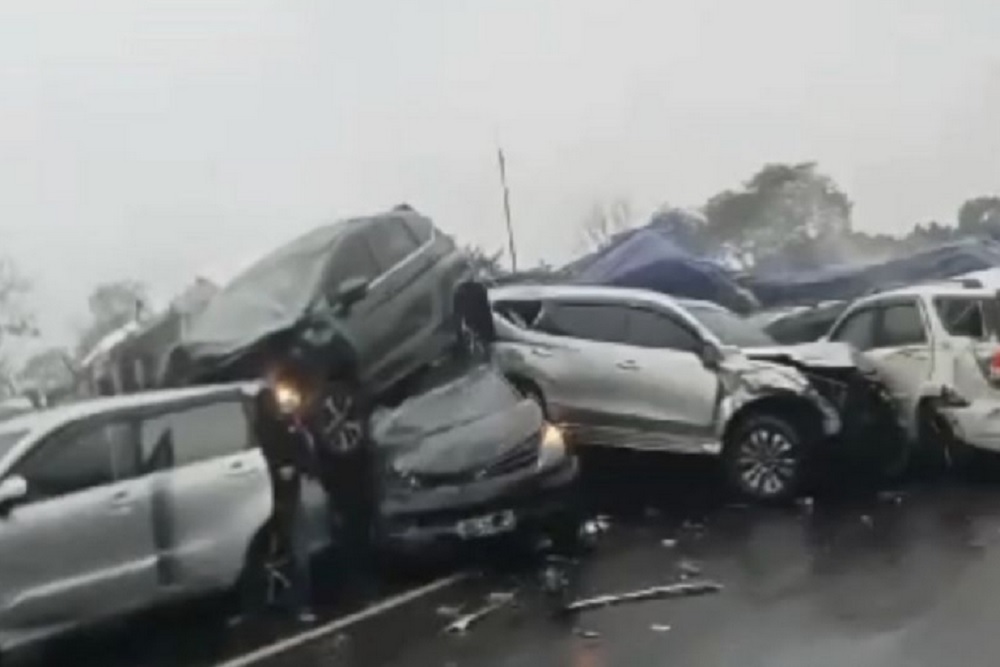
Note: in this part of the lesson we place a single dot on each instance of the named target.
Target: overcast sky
(157, 139)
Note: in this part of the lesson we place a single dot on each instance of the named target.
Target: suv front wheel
(341, 419)
(764, 457)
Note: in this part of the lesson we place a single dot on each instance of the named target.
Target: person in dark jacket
(287, 449)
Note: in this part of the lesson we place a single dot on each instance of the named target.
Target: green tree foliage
(112, 305)
(781, 204)
(980, 215)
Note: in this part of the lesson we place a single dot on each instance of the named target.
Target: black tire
(340, 420)
(765, 457)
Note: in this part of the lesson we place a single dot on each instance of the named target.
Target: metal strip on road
(336, 625)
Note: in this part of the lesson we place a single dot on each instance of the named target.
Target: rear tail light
(994, 369)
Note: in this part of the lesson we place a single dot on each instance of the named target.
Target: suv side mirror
(12, 490)
(711, 356)
(351, 290)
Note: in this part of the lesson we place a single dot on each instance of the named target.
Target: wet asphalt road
(856, 578)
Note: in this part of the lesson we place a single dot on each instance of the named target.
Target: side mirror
(351, 290)
(12, 490)
(711, 356)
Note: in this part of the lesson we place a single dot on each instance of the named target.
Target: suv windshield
(729, 328)
(8, 439)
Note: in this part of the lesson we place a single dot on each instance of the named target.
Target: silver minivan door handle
(541, 352)
(121, 501)
(628, 365)
(238, 468)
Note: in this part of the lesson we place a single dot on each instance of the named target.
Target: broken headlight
(552, 446)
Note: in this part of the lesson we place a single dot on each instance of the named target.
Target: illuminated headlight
(553, 446)
(289, 398)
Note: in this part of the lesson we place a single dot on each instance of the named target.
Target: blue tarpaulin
(649, 258)
(849, 282)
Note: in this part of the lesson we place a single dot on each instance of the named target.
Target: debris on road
(868, 520)
(687, 589)
(586, 634)
(657, 627)
(894, 497)
(669, 544)
(688, 569)
(450, 611)
(462, 624)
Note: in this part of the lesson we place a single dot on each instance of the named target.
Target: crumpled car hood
(821, 354)
(457, 427)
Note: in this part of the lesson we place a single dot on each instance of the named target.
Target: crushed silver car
(638, 369)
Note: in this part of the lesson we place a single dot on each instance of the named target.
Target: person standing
(287, 449)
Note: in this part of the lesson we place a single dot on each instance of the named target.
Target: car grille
(522, 456)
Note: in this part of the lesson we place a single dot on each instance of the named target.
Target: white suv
(936, 347)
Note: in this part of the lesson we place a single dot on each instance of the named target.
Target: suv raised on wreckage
(340, 316)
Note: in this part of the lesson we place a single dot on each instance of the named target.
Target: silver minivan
(120, 504)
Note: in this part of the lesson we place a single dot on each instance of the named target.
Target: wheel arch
(798, 410)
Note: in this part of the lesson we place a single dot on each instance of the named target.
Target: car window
(391, 241)
(730, 328)
(649, 329)
(421, 228)
(901, 325)
(80, 459)
(597, 322)
(857, 330)
(353, 259)
(964, 316)
(8, 439)
(194, 434)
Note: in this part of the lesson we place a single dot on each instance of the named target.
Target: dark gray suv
(340, 316)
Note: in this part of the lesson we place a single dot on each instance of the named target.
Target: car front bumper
(428, 520)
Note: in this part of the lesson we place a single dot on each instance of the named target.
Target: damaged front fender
(748, 383)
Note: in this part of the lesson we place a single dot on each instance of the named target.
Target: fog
(155, 140)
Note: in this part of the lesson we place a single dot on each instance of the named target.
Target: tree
(15, 319)
(605, 221)
(485, 265)
(48, 371)
(112, 305)
(780, 204)
(980, 215)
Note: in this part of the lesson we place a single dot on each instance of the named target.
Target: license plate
(486, 525)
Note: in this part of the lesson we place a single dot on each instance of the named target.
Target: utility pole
(506, 209)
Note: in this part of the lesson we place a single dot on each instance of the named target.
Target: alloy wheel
(766, 462)
(341, 426)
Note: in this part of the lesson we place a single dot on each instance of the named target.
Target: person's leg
(300, 576)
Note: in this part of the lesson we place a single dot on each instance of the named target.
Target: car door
(212, 492)
(670, 390)
(80, 547)
(402, 307)
(892, 334)
(574, 360)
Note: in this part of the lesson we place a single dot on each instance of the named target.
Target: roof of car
(550, 291)
(931, 289)
(49, 418)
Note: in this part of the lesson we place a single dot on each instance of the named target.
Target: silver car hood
(822, 354)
